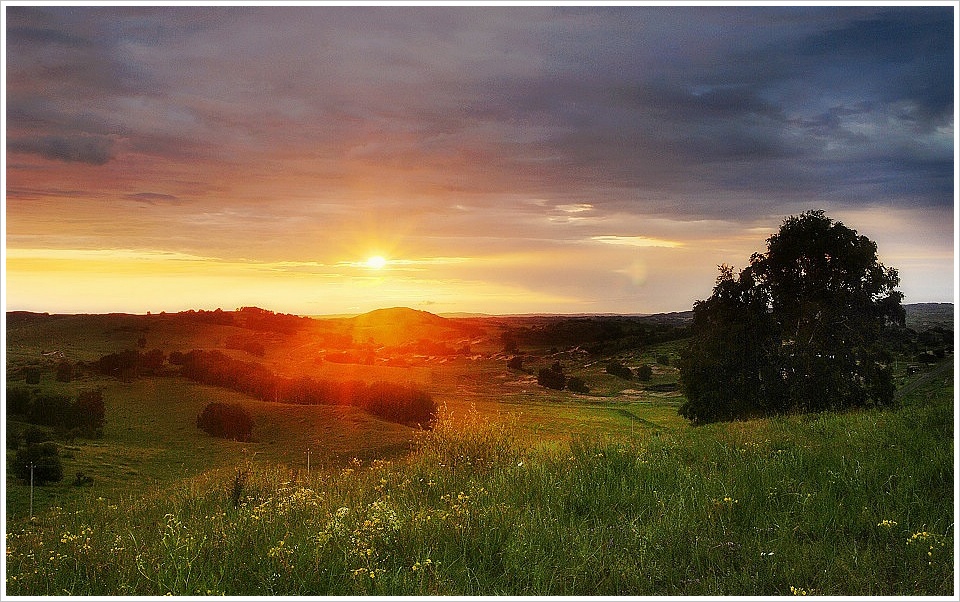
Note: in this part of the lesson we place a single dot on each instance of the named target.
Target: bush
(552, 378)
(45, 458)
(617, 369)
(90, 412)
(644, 372)
(32, 375)
(36, 435)
(18, 400)
(399, 403)
(227, 421)
(515, 362)
(64, 371)
(52, 409)
(151, 362)
(576, 384)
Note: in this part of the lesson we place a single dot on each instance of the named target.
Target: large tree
(798, 330)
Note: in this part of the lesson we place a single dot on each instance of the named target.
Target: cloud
(307, 133)
(153, 198)
(93, 150)
(635, 241)
(611, 106)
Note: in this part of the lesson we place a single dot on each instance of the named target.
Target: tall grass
(833, 504)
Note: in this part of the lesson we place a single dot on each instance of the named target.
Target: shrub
(617, 369)
(64, 371)
(90, 412)
(644, 372)
(32, 375)
(36, 435)
(576, 384)
(151, 362)
(515, 362)
(123, 365)
(399, 403)
(45, 458)
(18, 400)
(52, 409)
(227, 421)
(551, 378)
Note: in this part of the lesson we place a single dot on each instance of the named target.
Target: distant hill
(401, 317)
(921, 316)
(396, 325)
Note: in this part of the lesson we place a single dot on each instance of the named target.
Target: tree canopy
(800, 329)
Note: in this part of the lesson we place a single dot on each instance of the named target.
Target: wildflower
(887, 523)
(798, 591)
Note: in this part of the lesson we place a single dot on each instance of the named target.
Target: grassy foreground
(834, 504)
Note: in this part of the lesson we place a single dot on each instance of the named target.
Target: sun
(376, 262)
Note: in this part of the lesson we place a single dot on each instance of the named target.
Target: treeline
(399, 403)
(391, 401)
(129, 364)
(598, 335)
(251, 318)
(927, 346)
(82, 416)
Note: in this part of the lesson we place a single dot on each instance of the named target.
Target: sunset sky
(499, 159)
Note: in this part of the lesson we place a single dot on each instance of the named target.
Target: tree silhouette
(800, 329)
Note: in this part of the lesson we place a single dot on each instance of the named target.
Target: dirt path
(939, 370)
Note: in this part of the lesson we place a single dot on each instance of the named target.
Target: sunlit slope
(151, 439)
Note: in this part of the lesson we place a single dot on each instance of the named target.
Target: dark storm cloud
(696, 111)
(906, 52)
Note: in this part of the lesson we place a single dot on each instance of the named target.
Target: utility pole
(31, 491)
(308, 460)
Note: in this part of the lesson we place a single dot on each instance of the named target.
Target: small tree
(151, 362)
(644, 372)
(32, 375)
(91, 412)
(52, 409)
(64, 371)
(18, 400)
(551, 378)
(509, 343)
(227, 421)
(45, 459)
(617, 369)
(576, 384)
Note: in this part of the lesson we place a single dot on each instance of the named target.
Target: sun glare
(376, 262)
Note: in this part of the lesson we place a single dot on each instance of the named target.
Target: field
(519, 490)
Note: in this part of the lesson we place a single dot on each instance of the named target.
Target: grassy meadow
(516, 491)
